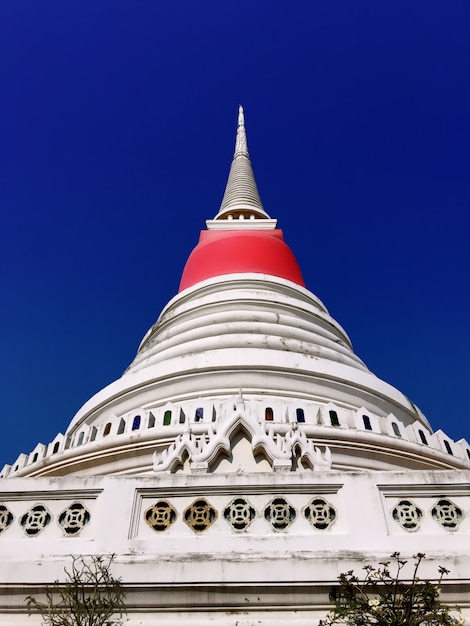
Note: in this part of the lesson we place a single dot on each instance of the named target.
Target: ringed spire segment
(241, 199)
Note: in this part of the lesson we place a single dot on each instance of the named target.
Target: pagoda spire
(241, 146)
(241, 198)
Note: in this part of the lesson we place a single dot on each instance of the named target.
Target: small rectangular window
(334, 421)
(448, 448)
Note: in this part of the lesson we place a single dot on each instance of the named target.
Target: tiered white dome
(244, 352)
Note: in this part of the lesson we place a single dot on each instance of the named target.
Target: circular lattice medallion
(35, 520)
(200, 515)
(280, 514)
(320, 513)
(447, 514)
(74, 518)
(6, 518)
(408, 515)
(239, 514)
(160, 516)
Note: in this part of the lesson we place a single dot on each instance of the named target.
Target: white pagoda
(244, 459)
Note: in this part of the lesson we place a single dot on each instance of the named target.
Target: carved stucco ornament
(279, 448)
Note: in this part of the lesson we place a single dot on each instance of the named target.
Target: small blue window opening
(334, 421)
(136, 422)
(268, 414)
(395, 429)
(107, 429)
(56, 447)
(167, 418)
(80, 438)
(151, 422)
(300, 415)
(366, 420)
(448, 448)
(199, 415)
(422, 436)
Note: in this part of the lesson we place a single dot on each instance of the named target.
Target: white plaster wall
(221, 576)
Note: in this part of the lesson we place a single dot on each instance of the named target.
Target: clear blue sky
(117, 124)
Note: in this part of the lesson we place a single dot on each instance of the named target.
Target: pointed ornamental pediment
(282, 450)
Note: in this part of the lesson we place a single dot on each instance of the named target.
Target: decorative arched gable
(203, 450)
